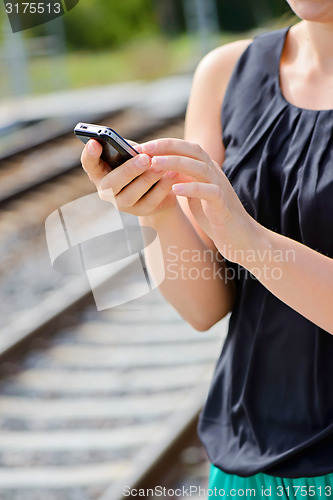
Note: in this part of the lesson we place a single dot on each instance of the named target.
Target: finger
(155, 196)
(121, 176)
(200, 170)
(200, 190)
(214, 205)
(195, 206)
(132, 193)
(180, 177)
(150, 201)
(179, 147)
(92, 163)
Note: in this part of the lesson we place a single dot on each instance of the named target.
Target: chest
(282, 170)
(306, 88)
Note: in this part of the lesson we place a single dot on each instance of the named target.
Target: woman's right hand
(130, 187)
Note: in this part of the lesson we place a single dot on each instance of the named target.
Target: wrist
(162, 218)
(258, 244)
(249, 246)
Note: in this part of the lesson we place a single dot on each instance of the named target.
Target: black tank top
(270, 406)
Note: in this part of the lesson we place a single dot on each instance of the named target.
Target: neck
(316, 43)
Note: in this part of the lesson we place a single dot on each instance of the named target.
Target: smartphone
(115, 149)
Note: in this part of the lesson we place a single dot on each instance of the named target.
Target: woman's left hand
(211, 197)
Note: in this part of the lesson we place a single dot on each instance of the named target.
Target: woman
(268, 420)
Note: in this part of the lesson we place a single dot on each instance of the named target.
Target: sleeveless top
(270, 405)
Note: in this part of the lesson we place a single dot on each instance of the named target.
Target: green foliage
(240, 16)
(103, 24)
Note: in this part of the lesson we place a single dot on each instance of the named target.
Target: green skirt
(264, 486)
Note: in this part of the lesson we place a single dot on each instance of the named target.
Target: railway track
(108, 398)
(48, 149)
(59, 155)
(96, 405)
(23, 244)
(90, 401)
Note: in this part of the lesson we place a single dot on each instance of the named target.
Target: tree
(102, 24)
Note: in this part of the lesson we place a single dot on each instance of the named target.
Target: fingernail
(158, 160)
(91, 148)
(172, 174)
(142, 161)
(177, 188)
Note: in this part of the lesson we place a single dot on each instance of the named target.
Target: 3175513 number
(33, 8)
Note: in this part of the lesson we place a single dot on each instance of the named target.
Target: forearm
(195, 281)
(296, 274)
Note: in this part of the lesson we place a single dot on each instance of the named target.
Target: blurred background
(92, 401)
(106, 41)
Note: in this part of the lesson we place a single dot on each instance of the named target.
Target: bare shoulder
(202, 124)
(220, 62)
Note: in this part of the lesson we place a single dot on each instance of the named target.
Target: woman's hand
(211, 197)
(132, 187)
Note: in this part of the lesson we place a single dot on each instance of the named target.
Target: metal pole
(201, 18)
(58, 60)
(16, 59)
